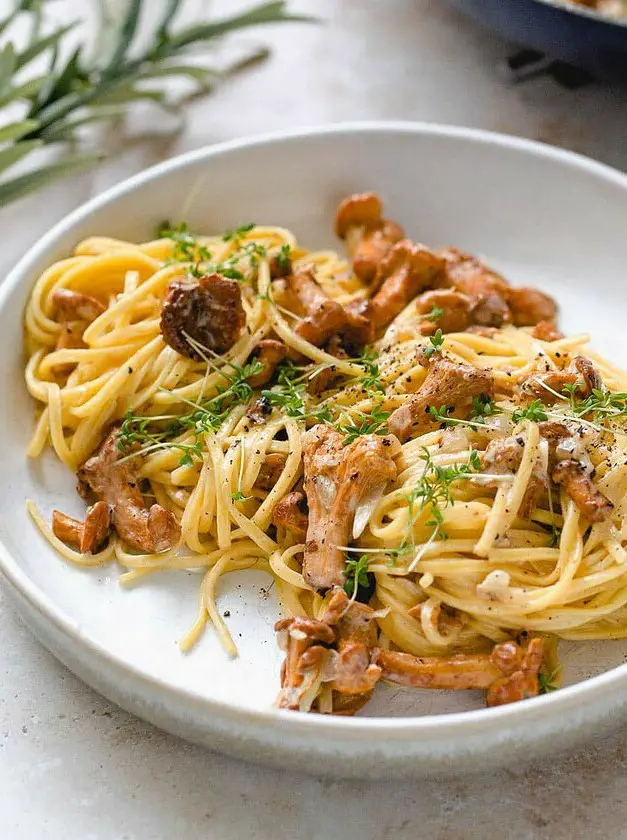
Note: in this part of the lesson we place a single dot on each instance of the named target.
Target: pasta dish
(433, 474)
(613, 8)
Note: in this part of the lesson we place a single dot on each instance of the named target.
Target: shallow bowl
(542, 216)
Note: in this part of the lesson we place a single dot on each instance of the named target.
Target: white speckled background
(71, 764)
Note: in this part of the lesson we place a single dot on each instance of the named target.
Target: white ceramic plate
(542, 216)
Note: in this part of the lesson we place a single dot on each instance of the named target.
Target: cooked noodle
(573, 586)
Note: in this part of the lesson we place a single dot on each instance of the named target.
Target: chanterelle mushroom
(454, 307)
(113, 481)
(336, 649)
(271, 469)
(324, 316)
(509, 673)
(303, 640)
(368, 235)
(205, 313)
(530, 306)
(76, 306)
(503, 456)
(549, 386)
(449, 384)
(87, 535)
(546, 331)
(342, 483)
(77, 311)
(356, 633)
(326, 321)
(288, 514)
(407, 270)
(487, 290)
(571, 468)
(269, 353)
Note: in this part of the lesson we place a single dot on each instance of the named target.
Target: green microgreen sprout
(374, 423)
(356, 574)
(435, 344)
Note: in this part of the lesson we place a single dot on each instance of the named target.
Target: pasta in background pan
(433, 474)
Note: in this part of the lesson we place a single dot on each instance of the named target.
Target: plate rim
(382, 728)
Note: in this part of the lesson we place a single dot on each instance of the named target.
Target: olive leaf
(100, 82)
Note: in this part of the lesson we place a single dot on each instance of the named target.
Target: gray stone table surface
(74, 766)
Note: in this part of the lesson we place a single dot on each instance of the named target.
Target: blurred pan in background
(564, 31)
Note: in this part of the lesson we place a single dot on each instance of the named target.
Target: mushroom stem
(367, 234)
(113, 480)
(509, 673)
(304, 660)
(338, 479)
(324, 316)
(407, 270)
(87, 535)
(356, 638)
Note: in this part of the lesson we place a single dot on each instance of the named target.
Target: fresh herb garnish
(435, 314)
(238, 232)
(535, 411)
(149, 433)
(356, 574)
(442, 415)
(556, 535)
(435, 345)
(482, 406)
(283, 258)
(600, 405)
(374, 423)
(254, 251)
(370, 381)
(186, 248)
(138, 431)
(290, 395)
(433, 493)
(238, 496)
(546, 682)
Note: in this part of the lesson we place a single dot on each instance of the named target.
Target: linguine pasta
(447, 561)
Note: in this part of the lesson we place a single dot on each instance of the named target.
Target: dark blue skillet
(572, 34)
